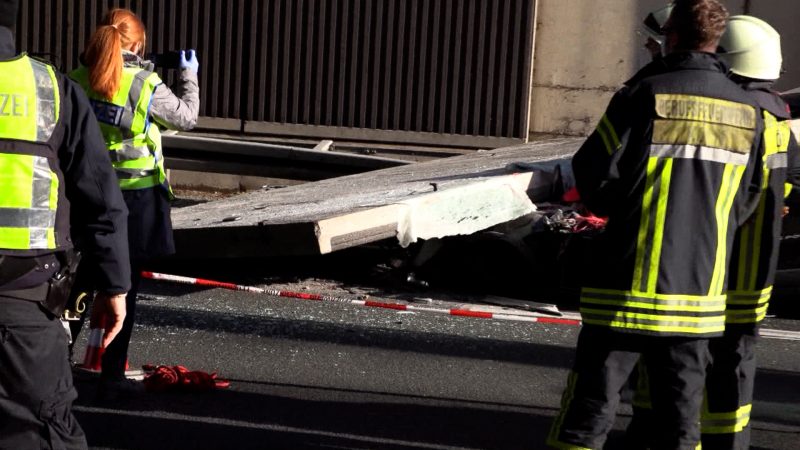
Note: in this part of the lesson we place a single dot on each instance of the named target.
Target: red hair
(120, 28)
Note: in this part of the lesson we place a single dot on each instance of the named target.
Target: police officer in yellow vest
(131, 103)
(57, 192)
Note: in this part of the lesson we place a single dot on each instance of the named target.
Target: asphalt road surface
(324, 375)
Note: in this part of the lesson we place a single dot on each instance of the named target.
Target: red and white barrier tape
(366, 303)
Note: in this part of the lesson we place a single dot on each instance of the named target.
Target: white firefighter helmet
(752, 48)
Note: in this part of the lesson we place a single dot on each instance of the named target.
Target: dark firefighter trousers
(36, 391)
(725, 416)
(604, 362)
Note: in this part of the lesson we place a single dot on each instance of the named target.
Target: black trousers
(604, 361)
(725, 417)
(36, 391)
(729, 391)
(115, 356)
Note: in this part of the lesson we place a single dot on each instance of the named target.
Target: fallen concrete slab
(446, 197)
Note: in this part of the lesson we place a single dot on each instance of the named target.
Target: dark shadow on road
(777, 386)
(357, 335)
(244, 420)
(384, 394)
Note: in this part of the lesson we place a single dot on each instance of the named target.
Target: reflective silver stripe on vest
(699, 152)
(42, 182)
(129, 113)
(136, 88)
(39, 218)
(125, 124)
(38, 238)
(777, 161)
(129, 152)
(46, 102)
(26, 218)
(129, 110)
(127, 174)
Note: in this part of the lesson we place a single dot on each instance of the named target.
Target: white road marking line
(780, 334)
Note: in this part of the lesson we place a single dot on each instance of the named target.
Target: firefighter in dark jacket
(672, 165)
(57, 191)
(752, 49)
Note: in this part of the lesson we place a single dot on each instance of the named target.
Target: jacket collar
(686, 60)
(767, 98)
(755, 85)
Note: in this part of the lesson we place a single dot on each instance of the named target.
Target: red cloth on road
(163, 378)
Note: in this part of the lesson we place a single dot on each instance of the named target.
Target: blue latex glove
(190, 62)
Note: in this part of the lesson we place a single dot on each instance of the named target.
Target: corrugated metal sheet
(60, 29)
(455, 67)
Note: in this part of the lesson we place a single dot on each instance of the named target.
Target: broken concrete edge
(449, 212)
(465, 210)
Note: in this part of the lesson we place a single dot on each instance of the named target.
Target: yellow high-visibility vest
(133, 141)
(29, 179)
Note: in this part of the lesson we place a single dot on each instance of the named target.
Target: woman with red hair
(131, 103)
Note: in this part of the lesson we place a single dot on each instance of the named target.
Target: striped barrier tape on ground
(522, 316)
(366, 303)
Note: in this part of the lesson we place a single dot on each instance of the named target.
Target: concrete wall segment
(571, 112)
(577, 46)
(586, 49)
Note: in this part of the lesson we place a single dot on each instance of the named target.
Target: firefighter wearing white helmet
(752, 48)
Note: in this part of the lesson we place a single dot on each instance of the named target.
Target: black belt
(35, 294)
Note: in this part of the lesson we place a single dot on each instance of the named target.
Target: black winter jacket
(755, 252)
(672, 166)
(98, 215)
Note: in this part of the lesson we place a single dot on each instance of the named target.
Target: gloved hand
(190, 62)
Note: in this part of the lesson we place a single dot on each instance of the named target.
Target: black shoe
(113, 389)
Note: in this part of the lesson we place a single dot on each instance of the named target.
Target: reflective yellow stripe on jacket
(29, 111)
(679, 314)
(609, 135)
(748, 300)
(719, 133)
